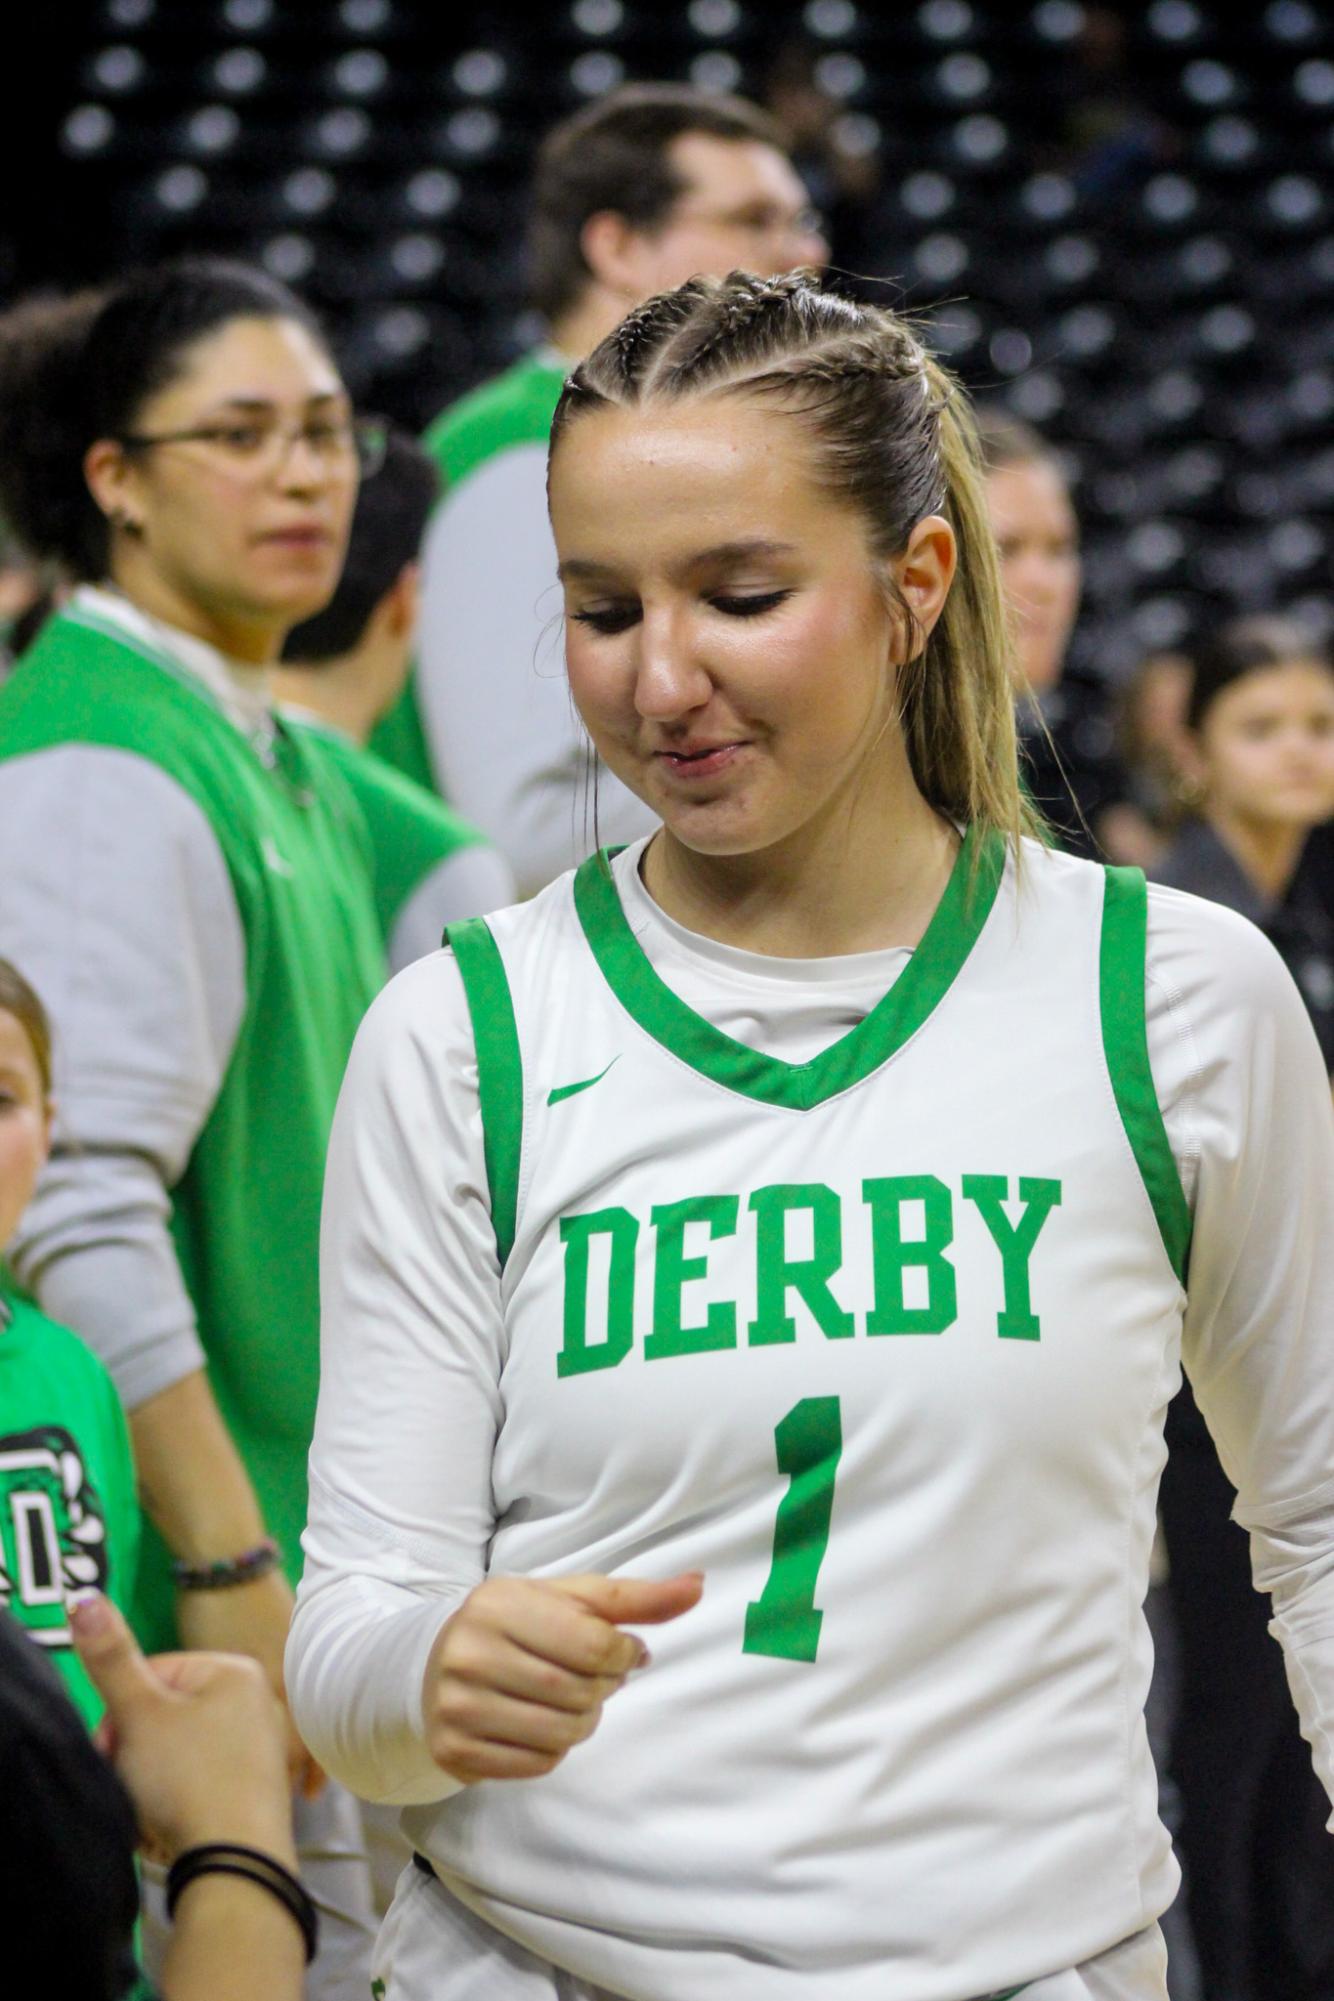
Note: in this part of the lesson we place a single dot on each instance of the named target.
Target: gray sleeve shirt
(115, 902)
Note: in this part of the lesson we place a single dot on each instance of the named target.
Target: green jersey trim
(1125, 927)
(946, 944)
(499, 1069)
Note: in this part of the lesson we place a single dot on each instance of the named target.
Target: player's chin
(716, 827)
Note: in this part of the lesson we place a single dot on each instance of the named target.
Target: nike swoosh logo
(273, 859)
(573, 1090)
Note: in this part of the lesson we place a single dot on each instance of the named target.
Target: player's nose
(670, 678)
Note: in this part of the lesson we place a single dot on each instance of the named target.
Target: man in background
(343, 669)
(647, 187)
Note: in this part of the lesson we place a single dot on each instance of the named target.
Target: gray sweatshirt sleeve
(467, 883)
(505, 742)
(116, 903)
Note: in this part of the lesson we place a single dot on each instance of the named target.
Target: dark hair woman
(1259, 767)
(1257, 757)
(194, 903)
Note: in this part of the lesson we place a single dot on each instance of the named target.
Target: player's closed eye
(619, 618)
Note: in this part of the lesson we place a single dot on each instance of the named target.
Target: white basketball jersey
(881, 1343)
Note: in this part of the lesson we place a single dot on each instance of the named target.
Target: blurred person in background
(345, 668)
(1259, 1862)
(69, 1514)
(1151, 737)
(1258, 762)
(23, 582)
(180, 882)
(841, 177)
(1067, 743)
(644, 188)
(194, 1773)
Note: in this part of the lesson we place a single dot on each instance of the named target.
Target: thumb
(110, 1652)
(634, 1601)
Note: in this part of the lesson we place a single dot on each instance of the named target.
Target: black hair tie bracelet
(227, 1858)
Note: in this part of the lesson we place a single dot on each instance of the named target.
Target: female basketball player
(777, 1235)
(192, 895)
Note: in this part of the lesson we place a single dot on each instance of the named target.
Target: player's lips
(699, 760)
(310, 537)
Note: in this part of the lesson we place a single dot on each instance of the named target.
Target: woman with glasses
(189, 887)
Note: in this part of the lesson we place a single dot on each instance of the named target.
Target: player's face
(1038, 539)
(730, 640)
(742, 206)
(1266, 746)
(248, 521)
(24, 1124)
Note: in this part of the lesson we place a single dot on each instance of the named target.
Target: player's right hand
(518, 1675)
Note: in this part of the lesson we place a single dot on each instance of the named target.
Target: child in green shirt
(69, 1519)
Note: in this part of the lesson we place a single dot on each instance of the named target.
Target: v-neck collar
(945, 945)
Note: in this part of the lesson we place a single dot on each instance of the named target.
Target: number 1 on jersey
(784, 1621)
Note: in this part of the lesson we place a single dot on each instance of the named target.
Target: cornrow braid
(715, 340)
(643, 332)
(890, 433)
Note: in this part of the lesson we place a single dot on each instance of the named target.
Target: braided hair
(890, 433)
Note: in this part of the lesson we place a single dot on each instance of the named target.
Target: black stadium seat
(1119, 222)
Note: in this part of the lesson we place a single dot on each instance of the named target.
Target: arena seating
(1120, 224)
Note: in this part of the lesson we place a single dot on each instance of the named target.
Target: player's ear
(922, 576)
(402, 602)
(926, 569)
(613, 251)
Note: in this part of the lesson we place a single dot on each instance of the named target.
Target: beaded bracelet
(228, 1858)
(228, 1570)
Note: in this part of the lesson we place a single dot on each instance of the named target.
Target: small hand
(196, 1738)
(518, 1676)
(252, 1619)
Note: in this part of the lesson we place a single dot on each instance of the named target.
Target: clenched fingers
(512, 1670)
(542, 1619)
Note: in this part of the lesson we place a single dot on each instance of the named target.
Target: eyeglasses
(759, 223)
(258, 446)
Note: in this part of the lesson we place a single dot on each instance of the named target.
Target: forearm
(356, 1657)
(195, 1489)
(1294, 1562)
(232, 1941)
(401, 1503)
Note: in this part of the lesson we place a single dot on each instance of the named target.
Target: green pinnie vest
(245, 1213)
